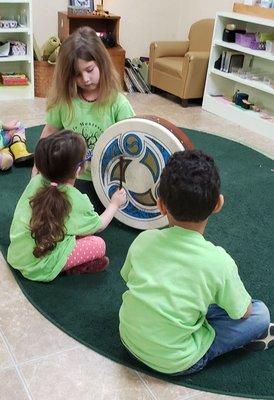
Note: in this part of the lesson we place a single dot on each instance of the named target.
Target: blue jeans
(232, 334)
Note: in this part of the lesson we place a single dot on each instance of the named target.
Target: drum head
(145, 147)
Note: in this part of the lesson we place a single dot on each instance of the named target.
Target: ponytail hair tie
(53, 184)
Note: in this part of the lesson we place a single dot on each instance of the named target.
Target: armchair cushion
(170, 65)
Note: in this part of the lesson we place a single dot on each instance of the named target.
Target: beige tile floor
(37, 360)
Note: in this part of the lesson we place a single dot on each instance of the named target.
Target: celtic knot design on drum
(144, 147)
(144, 159)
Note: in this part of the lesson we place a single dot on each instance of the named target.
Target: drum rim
(178, 132)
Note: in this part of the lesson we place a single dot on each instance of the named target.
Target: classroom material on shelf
(13, 79)
(5, 49)
(13, 48)
(230, 60)
(252, 40)
(8, 24)
(269, 46)
(229, 33)
(21, 20)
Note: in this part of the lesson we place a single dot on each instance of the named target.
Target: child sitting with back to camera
(53, 224)
(85, 96)
(185, 303)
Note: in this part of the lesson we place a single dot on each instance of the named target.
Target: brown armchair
(180, 68)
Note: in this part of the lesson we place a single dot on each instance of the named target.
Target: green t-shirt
(172, 276)
(82, 220)
(88, 120)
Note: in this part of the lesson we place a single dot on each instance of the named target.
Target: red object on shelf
(13, 79)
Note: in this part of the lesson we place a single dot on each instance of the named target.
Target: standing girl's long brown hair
(57, 158)
(86, 45)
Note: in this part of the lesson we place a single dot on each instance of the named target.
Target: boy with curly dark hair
(186, 303)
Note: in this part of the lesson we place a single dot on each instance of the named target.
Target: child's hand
(119, 198)
(11, 125)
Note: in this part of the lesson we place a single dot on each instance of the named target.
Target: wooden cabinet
(109, 24)
(12, 10)
(220, 85)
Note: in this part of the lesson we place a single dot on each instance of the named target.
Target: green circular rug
(86, 307)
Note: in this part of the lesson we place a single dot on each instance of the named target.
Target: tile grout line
(55, 353)
(21, 376)
(146, 385)
(186, 397)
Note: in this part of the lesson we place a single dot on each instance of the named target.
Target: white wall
(191, 11)
(142, 21)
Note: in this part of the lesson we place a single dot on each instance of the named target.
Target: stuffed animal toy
(13, 146)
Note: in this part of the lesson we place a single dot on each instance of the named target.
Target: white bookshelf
(24, 64)
(219, 83)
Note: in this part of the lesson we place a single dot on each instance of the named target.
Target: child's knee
(100, 245)
(261, 314)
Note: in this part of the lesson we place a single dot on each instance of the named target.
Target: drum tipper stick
(121, 163)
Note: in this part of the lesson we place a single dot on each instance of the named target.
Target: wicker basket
(43, 74)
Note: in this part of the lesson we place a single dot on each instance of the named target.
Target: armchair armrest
(168, 49)
(197, 55)
(197, 68)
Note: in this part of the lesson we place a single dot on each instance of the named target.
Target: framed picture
(85, 4)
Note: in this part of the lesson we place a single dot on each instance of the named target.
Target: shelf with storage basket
(16, 50)
(253, 78)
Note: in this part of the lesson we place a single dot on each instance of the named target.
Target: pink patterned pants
(88, 248)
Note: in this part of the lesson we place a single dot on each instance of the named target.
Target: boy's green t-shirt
(172, 276)
(89, 120)
(82, 220)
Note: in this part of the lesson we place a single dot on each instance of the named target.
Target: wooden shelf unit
(110, 24)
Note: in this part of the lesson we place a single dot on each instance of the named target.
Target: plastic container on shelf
(23, 18)
(269, 46)
(249, 40)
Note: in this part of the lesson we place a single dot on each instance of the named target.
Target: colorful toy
(13, 146)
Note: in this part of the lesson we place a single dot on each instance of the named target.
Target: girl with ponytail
(53, 225)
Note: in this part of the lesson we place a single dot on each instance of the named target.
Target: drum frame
(183, 141)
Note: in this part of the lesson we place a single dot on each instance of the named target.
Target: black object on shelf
(217, 64)
(108, 39)
(229, 35)
(239, 98)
